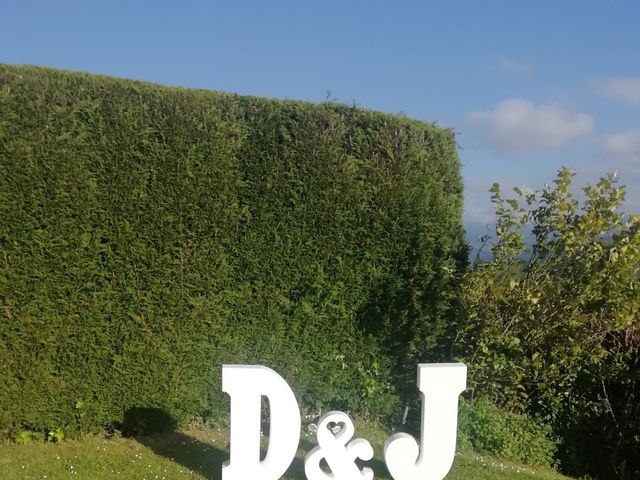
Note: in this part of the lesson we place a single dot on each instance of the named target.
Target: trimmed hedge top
(150, 234)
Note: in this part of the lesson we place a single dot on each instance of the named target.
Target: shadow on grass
(201, 457)
(193, 454)
(156, 429)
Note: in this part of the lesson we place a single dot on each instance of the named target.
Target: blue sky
(528, 86)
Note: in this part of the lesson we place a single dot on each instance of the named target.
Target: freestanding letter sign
(440, 385)
(246, 385)
(338, 451)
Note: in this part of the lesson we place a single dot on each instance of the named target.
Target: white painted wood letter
(440, 385)
(338, 450)
(246, 385)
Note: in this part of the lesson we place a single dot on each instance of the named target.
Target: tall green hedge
(150, 234)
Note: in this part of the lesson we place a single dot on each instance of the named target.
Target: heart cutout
(336, 427)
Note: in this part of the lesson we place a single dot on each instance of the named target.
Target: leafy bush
(552, 320)
(148, 235)
(509, 435)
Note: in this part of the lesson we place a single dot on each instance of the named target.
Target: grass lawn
(198, 454)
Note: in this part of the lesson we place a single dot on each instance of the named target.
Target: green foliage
(148, 235)
(552, 323)
(24, 437)
(509, 435)
(56, 435)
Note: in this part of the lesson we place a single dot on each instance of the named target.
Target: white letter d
(246, 384)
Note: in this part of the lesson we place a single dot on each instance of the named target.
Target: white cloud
(510, 65)
(517, 126)
(624, 145)
(624, 89)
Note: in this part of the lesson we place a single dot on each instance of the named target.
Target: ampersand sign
(339, 453)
